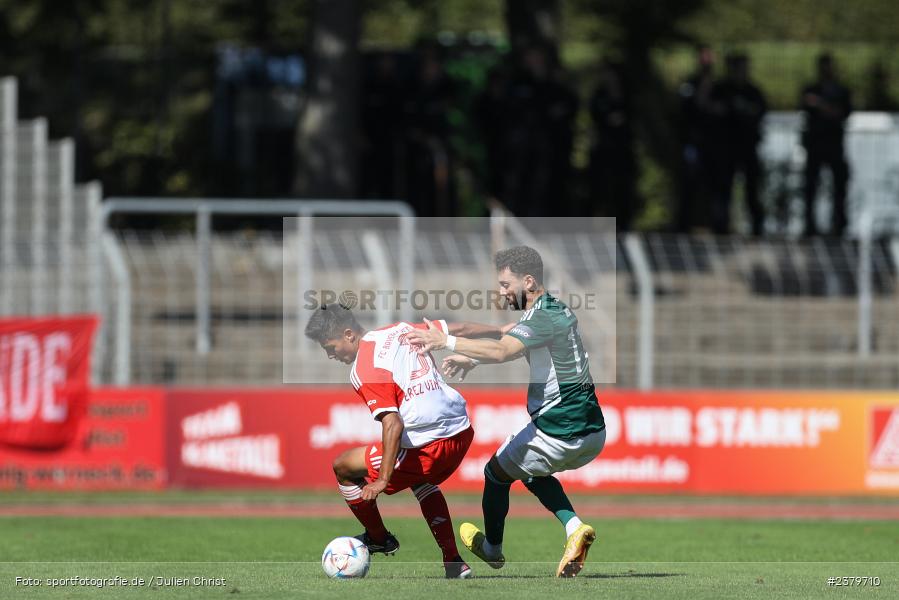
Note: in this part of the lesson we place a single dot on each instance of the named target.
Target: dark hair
(329, 322)
(521, 260)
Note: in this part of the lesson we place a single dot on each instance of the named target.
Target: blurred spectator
(382, 128)
(428, 151)
(490, 115)
(739, 107)
(537, 139)
(879, 97)
(696, 139)
(826, 104)
(562, 107)
(613, 168)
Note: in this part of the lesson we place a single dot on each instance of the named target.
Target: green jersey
(561, 396)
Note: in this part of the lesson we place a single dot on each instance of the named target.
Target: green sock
(551, 495)
(495, 504)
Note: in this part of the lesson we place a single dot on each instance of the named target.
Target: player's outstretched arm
(468, 329)
(456, 364)
(391, 433)
(494, 351)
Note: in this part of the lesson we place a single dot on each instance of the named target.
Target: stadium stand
(728, 312)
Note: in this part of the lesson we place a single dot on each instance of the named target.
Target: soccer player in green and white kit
(566, 431)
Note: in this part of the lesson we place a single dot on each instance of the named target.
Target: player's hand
(427, 339)
(371, 491)
(456, 364)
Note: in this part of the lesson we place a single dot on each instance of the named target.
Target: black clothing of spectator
(739, 107)
(383, 98)
(537, 138)
(697, 153)
(490, 115)
(428, 154)
(613, 165)
(826, 105)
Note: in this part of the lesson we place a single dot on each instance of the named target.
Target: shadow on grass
(628, 575)
(635, 575)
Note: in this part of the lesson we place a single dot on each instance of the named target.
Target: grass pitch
(269, 558)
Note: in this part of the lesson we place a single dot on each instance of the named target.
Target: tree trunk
(326, 153)
(533, 23)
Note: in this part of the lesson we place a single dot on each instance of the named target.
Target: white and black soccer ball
(346, 558)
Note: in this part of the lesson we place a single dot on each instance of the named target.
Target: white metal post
(8, 115)
(407, 262)
(119, 269)
(32, 196)
(643, 274)
(203, 296)
(61, 158)
(305, 266)
(88, 200)
(374, 250)
(304, 208)
(866, 224)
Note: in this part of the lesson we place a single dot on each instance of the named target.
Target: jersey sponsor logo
(370, 402)
(522, 330)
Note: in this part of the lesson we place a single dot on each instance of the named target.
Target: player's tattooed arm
(468, 329)
(494, 351)
(391, 433)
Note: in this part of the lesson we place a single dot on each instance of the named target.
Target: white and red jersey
(391, 376)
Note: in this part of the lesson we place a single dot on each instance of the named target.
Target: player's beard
(517, 301)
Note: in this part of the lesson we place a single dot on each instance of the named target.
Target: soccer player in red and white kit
(425, 426)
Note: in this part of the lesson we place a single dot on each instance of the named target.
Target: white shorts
(532, 453)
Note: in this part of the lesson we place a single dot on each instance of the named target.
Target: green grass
(279, 558)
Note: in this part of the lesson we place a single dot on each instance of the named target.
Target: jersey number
(576, 348)
(423, 364)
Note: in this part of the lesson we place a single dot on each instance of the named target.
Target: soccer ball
(346, 557)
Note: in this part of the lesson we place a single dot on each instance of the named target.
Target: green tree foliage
(133, 81)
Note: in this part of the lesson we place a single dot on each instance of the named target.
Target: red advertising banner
(253, 438)
(44, 370)
(119, 444)
(690, 442)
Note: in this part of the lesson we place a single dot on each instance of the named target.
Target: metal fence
(744, 313)
(50, 255)
(692, 311)
(704, 312)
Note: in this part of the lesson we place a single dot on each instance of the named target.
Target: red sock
(366, 511)
(436, 513)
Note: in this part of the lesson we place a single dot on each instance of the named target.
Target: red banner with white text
(738, 442)
(119, 444)
(44, 379)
